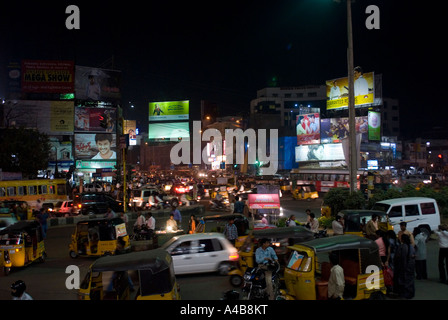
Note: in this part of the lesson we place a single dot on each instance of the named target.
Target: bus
(48, 191)
(325, 179)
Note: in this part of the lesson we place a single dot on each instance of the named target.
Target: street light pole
(353, 154)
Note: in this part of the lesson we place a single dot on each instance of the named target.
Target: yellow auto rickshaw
(355, 221)
(98, 237)
(305, 192)
(21, 244)
(218, 222)
(149, 273)
(308, 269)
(280, 238)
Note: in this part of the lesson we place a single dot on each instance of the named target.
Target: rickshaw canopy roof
(341, 242)
(297, 232)
(155, 260)
(22, 225)
(224, 217)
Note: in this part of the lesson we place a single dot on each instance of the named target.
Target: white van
(415, 211)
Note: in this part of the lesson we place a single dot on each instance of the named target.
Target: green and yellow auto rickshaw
(281, 239)
(308, 269)
(355, 221)
(98, 237)
(140, 275)
(21, 244)
(305, 192)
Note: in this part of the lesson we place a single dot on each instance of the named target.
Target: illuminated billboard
(92, 119)
(169, 110)
(130, 128)
(337, 91)
(100, 146)
(335, 129)
(319, 152)
(374, 125)
(94, 84)
(48, 76)
(170, 131)
(308, 128)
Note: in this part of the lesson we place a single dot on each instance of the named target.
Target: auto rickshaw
(280, 238)
(305, 192)
(21, 244)
(308, 269)
(149, 273)
(98, 237)
(356, 220)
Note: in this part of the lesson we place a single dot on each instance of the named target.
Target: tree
(24, 150)
(340, 198)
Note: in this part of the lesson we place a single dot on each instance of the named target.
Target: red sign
(264, 201)
(48, 76)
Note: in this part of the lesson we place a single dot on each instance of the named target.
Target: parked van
(415, 211)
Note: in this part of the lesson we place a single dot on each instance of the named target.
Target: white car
(201, 252)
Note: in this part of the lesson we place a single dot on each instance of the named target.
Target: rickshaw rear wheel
(236, 280)
(73, 255)
(378, 295)
(43, 257)
(6, 270)
(223, 269)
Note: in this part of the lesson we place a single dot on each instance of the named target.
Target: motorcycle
(217, 205)
(142, 233)
(321, 234)
(255, 287)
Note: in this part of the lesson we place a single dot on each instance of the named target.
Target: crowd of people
(403, 254)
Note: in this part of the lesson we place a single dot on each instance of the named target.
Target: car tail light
(234, 256)
(79, 206)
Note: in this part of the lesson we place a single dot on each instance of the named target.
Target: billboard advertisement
(308, 128)
(47, 76)
(374, 125)
(337, 91)
(320, 152)
(130, 128)
(50, 117)
(90, 119)
(169, 110)
(168, 131)
(94, 84)
(335, 129)
(100, 146)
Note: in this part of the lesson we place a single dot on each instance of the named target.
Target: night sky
(227, 50)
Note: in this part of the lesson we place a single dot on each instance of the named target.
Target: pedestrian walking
(420, 239)
(177, 216)
(42, 217)
(404, 272)
(18, 291)
(230, 231)
(442, 233)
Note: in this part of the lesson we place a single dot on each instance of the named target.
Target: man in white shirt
(442, 233)
(140, 221)
(360, 86)
(336, 282)
(335, 92)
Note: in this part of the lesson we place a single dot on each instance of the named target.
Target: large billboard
(100, 146)
(50, 117)
(308, 128)
(337, 91)
(170, 131)
(319, 152)
(335, 129)
(91, 119)
(169, 110)
(374, 125)
(94, 84)
(47, 76)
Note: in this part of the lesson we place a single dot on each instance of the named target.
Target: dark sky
(225, 51)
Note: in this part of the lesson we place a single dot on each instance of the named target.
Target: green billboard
(169, 110)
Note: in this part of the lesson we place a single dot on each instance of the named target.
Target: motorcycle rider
(218, 200)
(263, 255)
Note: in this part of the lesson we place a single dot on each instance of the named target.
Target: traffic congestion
(259, 234)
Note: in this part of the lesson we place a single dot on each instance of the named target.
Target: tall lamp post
(353, 154)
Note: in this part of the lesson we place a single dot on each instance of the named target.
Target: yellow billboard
(169, 110)
(337, 90)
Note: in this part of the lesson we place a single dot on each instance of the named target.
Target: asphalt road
(46, 281)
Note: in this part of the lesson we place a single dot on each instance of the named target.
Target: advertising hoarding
(337, 91)
(90, 119)
(169, 110)
(94, 84)
(50, 117)
(47, 76)
(374, 125)
(308, 128)
(130, 128)
(100, 146)
(335, 129)
(170, 131)
(320, 152)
